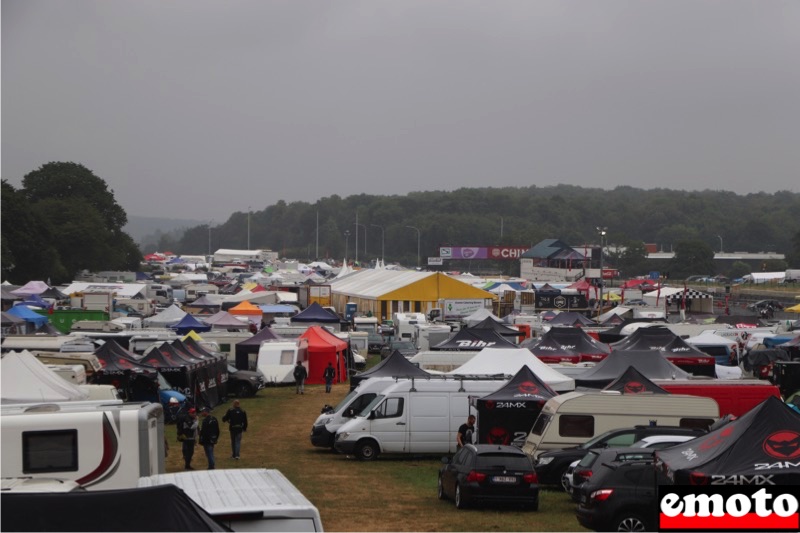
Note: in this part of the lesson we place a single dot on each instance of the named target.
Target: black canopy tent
(550, 351)
(396, 365)
(580, 342)
(768, 434)
(650, 363)
(248, 347)
(489, 323)
(571, 318)
(178, 372)
(507, 415)
(674, 348)
(133, 380)
(315, 313)
(216, 369)
(469, 339)
(634, 382)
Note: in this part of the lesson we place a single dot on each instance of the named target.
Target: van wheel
(461, 502)
(367, 450)
(440, 491)
(629, 522)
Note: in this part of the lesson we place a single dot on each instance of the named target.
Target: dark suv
(553, 464)
(621, 495)
(243, 383)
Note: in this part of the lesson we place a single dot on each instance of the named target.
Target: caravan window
(576, 426)
(287, 357)
(50, 451)
(541, 423)
(391, 408)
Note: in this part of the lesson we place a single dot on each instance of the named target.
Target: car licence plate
(504, 479)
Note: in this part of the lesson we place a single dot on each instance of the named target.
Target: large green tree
(75, 223)
(691, 257)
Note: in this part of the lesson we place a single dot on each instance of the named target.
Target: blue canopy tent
(29, 315)
(189, 323)
(36, 301)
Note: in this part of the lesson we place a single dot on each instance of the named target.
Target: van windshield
(371, 405)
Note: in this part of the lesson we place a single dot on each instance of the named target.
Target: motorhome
(247, 499)
(575, 417)
(48, 343)
(366, 323)
(427, 335)
(405, 323)
(413, 416)
(159, 293)
(100, 444)
(277, 359)
(88, 360)
(75, 374)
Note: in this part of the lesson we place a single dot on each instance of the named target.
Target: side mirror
(351, 413)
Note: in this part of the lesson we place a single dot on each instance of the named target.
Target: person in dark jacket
(187, 434)
(328, 375)
(300, 374)
(236, 418)
(208, 435)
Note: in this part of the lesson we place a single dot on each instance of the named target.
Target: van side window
(696, 423)
(287, 357)
(361, 402)
(50, 451)
(540, 424)
(576, 426)
(390, 408)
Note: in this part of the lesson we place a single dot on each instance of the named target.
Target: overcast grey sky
(199, 108)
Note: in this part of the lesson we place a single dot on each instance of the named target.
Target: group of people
(205, 432)
(300, 375)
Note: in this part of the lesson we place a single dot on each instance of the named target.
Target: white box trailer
(99, 444)
(247, 499)
(575, 417)
(277, 359)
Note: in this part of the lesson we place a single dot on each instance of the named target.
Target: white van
(413, 416)
(323, 431)
(575, 417)
(247, 499)
(100, 444)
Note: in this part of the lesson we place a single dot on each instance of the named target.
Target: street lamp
(382, 241)
(418, 234)
(346, 243)
(720, 243)
(248, 227)
(602, 232)
(209, 237)
(365, 240)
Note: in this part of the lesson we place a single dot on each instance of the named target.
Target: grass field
(390, 494)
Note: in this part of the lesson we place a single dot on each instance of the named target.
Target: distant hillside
(146, 230)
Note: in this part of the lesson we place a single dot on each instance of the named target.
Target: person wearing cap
(209, 434)
(236, 417)
(187, 434)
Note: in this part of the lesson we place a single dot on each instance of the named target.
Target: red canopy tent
(323, 348)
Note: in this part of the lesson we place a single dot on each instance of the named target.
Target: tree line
(64, 219)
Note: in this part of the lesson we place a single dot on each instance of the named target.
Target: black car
(375, 343)
(620, 495)
(553, 464)
(242, 383)
(406, 348)
(489, 473)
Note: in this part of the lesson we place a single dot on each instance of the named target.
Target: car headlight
(253, 378)
(342, 436)
(544, 461)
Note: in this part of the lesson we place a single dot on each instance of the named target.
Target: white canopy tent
(510, 361)
(25, 379)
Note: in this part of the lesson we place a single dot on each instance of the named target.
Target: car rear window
(588, 459)
(504, 461)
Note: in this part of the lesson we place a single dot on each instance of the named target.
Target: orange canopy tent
(252, 312)
(323, 348)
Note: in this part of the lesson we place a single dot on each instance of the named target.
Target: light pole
(382, 241)
(418, 234)
(248, 227)
(720, 243)
(346, 243)
(602, 232)
(365, 239)
(209, 237)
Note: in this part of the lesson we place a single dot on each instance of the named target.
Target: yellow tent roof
(409, 285)
(793, 309)
(192, 335)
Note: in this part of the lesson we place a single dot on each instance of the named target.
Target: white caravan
(277, 359)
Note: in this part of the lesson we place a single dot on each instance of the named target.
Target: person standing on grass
(209, 434)
(300, 374)
(236, 417)
(328, 375)
(187, 434)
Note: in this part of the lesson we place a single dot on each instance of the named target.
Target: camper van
(160, 294)
(277, 359)
(427, 335)
(100, 444)
(88, 360)
(575, 417)
(366, 323)
(413, 416)
(48, 343)
(247, 499)
(405, 323)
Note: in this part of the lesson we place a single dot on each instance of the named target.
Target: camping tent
(634, 382)
(30, 288)
(323, 348)
(189, 323)
(578, 341)
(315, 313)
(507, 415)
(498, 327)
(26, 313)
(133, 380)
(169, 316)
(474, 339)
(395, 365)
(571, 318)
(224, 320)
(549, 350)
(674, 348)
(492, 361)
(479, 316)
(766, 435)
(650, 363)
(25, 379)
(247, 309)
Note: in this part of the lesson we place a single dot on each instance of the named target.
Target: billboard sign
(482, 252)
